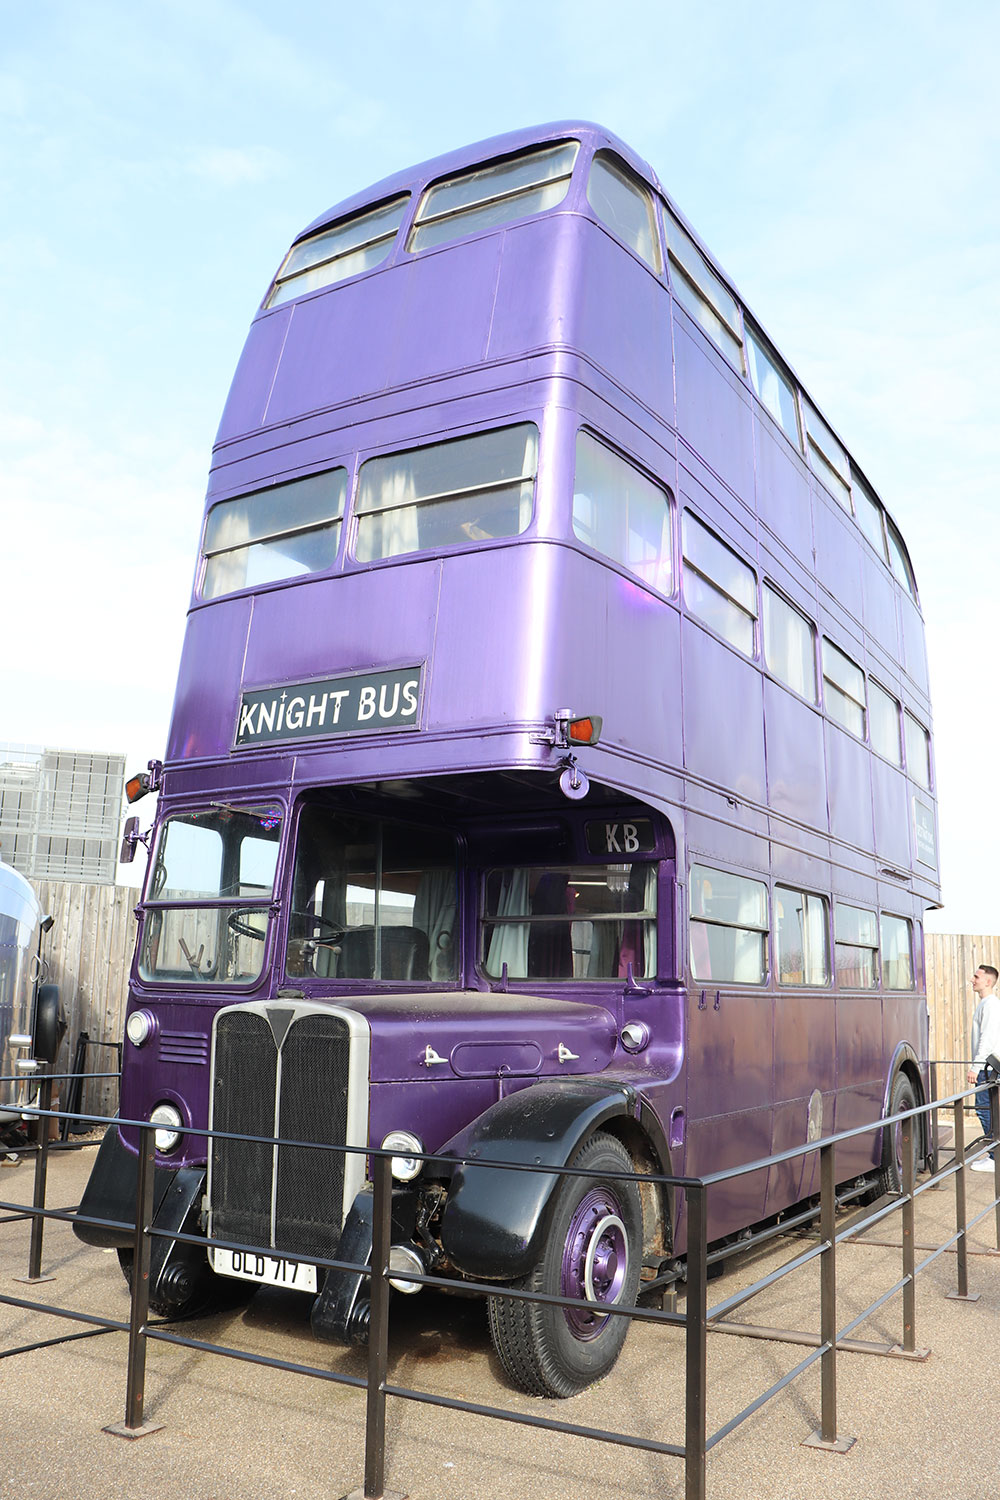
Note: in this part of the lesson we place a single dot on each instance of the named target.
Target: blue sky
(156, 160)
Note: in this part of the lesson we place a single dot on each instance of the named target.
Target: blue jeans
(983, 1107)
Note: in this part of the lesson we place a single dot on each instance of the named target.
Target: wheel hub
(595, 1259)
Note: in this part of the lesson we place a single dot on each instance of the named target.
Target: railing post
(909, 1257)
(378, 1330)
(133, 1426)
(962, 1255)
(41, 1173)
(696, 1343)
(826, 1437)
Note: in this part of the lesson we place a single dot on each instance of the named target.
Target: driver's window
(372, 901)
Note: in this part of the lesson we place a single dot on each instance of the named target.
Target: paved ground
(232, 1431)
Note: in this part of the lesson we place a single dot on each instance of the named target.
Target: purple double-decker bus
(550, 774)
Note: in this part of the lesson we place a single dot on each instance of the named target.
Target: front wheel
(592, 1250)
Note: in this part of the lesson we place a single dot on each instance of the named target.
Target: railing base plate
(386, 1495)
(33, 1280)
(963, 1296)
(838, 1445)
(118, 1429)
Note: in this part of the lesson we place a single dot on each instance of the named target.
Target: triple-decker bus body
(550, 772)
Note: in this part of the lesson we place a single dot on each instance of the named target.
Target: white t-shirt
(986, 1030)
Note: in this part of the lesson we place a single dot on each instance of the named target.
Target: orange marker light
(136, 787)
(584, 731)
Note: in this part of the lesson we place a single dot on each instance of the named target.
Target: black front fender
(494, 1217)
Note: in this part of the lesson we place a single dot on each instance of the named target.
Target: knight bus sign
(651, 828)
(367, 702)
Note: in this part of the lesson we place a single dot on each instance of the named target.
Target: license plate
(271, 1270)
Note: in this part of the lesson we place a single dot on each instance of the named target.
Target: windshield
(372, 900)
(570, 922)
(224, 859)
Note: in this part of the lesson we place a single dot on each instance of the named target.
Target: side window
(843, 689)
(869, 514)
(347, 249)
(883, 724)
(918, 750)
(700, 292)
(899, 562)
(449, 495)
(618, 511)
(486, 197)
(718, 586)
(728, 927)
(282, 532)
(827, 458)
(789, 645)
(773, 386)
(897, 953)
(625, 206)
(801, 942)
(855, 936)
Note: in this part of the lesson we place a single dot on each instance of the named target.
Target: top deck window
(700, 292)
(618, 511)
(489, 196)
(624, 204)
(869, 514)
(773, 386)
(827, 458)
(283, 532)
(898, 560)
(347, 249)
(471, 489)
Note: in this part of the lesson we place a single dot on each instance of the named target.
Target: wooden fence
(89, 952)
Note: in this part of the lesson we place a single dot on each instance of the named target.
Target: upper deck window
(332, 255)
(827, 458)
(869, 514)
(844, 685)
(489, 196)
(625, 205)
(471, 489)
(918, 750)
(789, 644)
(718, 587)
(702, 294)
(898, 560)
(277, 533)
(883, 710)
(773, 386)
(618, 511)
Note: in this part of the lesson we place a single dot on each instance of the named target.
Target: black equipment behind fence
(696, 1321)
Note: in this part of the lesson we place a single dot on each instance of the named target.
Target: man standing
(985, 1040)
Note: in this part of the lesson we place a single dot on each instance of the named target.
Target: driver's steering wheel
(238, 922)
(330, 932)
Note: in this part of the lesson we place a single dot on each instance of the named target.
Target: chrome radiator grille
(281, 1071)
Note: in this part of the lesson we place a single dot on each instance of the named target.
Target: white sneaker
(983, 1165)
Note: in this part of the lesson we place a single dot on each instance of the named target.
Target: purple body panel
(555, 321)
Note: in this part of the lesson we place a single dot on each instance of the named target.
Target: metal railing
(696, 1321)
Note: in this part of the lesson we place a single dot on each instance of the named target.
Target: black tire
(208, 1293)
(902, 1097)
(593, 1237)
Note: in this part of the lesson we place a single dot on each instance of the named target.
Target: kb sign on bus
(365, 703)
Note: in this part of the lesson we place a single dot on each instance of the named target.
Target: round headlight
(171, 1121)
(404, 1166)
(139, 1027)
(404, 1259)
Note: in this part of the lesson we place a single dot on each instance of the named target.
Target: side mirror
(130, 837)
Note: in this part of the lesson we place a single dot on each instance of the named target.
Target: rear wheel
(903, 1097)
(592, 1250)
